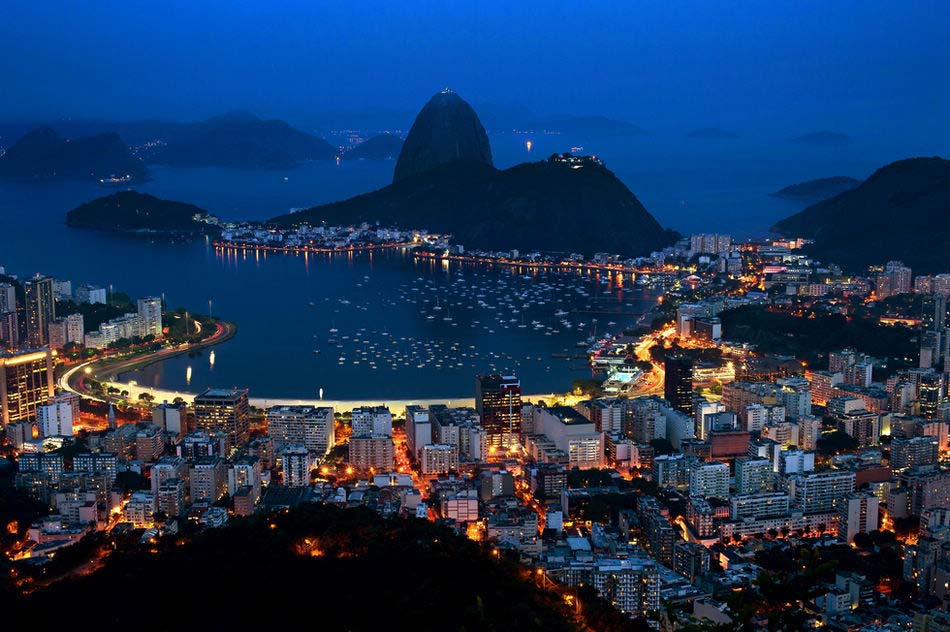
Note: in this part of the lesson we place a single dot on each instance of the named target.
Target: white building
(418, 429)
(169, 417)
(372, 420)
(295, 465)
(439, 458)
(56, 417)
(820, 491)
(150, 311)
(307, 425)
(709, 480)
(859, 514)
(572, 434)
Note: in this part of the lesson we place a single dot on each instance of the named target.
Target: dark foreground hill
(817, 190)
(130, 211)
(901, 212)
(564, 203)
(42, 154)
(338, 569)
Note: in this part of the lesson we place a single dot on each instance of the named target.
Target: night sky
(858, 67)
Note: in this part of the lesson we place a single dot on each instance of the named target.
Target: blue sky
(801, 64)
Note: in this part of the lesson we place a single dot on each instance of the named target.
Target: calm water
(285, 306)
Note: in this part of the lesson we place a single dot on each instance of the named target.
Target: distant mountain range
(444, 181)
(901, 212)
(42, 154)
(817, 190)
(823, 138)
(240, 139)
(379, 147)
(130, 211)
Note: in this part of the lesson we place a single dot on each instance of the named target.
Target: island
(43, 155)
(900, 212)
(818, 189)
(134, 212)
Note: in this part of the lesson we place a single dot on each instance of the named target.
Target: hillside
(446, 130)
(560, 204)
(901, 212)
(366, 571)
(241, 140)
(130, 211)
(817, 190)
(379, 147)
(42, 154)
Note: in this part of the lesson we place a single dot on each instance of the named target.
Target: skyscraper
(40, 309)
(150, 311)
(224, 411)
(26, 381)
(678, 383)
(498, 404)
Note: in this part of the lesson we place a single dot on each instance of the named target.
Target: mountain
(565, 203)
(823, 138)
(593, 126)
(446, 130)
(240, 139)
(42, 154)
(901, 212)
(380, 147)
(711, 133)
(130, 211)
(817, 190)
(282, 560)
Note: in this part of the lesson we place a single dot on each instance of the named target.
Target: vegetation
(897, 213)
(42, 154)
(131, 211)
(332, 553)
(813, 334)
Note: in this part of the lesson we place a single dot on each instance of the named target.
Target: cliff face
(901, 212)
(446, 130)
(42, 154)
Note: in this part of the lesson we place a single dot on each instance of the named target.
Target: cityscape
(421, 376)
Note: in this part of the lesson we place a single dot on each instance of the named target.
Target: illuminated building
(245, 471)
(40, 309)
(439, 458)
(208, 478)
(225, 411)
(169, 417)
(759, 505)
(691, 560)
(859, 514)
(418, 429)
(104, 463)
(571, 435)
(632, 585)
(372, 420)
(309, 426)
(26, 381)
(820, 491)
(55, 418)
(295, 465)
(498, 404)
(913, 452)
(753, 475)
(709, 480)
(376, 452)
(678, 383)
(150, 311)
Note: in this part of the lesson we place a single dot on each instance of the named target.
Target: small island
(817, 190)
(134, 212)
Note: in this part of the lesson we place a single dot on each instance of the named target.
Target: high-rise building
(150, 311)
(913, 452)
(75, 329)
(372, 420)
(40, 309)
(375, 453)
(753, 475)
(709, 480)
(170, 417)
(295, 465)
(859, 514)
(820, 491)
(55, 418)
(208, 476)
(224, 411)
(418, 429)
(439, 458)
(7, 298)
(678, 383)
(309, 426)
(26, 381)
(498, 404)
(632, 585)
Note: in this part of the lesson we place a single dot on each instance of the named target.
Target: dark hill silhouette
(42, 154)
